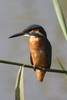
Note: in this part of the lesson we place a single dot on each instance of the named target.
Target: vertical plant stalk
(60, 17)
(19, 87)
(62, 66)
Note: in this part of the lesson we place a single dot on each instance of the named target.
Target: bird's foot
(34, 67)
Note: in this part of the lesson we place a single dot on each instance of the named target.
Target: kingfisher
(40, 48)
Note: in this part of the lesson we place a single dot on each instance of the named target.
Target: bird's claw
(34, 67)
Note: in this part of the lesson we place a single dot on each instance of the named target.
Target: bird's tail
(40, 75)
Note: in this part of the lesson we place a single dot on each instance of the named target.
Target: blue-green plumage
(35, 27)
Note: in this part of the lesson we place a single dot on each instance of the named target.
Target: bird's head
(32, 30)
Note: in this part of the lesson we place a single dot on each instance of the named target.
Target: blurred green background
(15, 15)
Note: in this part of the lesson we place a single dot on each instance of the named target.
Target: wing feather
(48, 51)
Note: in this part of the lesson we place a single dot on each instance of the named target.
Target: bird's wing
(31, 59)
(48, 51)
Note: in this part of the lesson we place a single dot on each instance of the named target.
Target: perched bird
(40, 48)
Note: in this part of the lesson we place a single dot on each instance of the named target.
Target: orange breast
(38, 53)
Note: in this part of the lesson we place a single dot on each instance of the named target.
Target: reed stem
(30, 66)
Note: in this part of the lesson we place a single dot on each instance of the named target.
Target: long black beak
(24, 34)
(17, 34)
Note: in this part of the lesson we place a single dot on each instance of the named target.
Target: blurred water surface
(15, 15)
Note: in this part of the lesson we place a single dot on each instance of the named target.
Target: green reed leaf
(61, 65)
(19, 87)
(60, 16)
